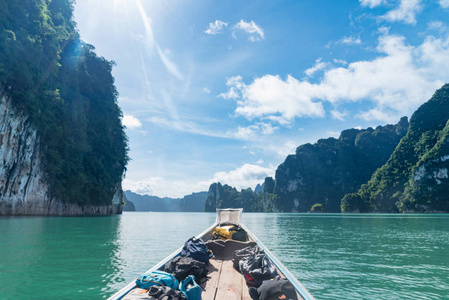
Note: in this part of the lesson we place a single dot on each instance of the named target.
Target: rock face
(324, 172)
(225, 196)
(193, 202)
(24, 189)
(415, 177)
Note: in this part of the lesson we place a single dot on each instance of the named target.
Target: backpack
(196, 249)
(256, 269)
(157, 278)
(182, 266)
(275, 289)
(245, 252)
(190, 288)
(230, 232)
(165, 293)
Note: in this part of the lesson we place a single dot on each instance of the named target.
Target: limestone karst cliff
(24, 188)
(393, 168)
(63, 147)
(415, 177)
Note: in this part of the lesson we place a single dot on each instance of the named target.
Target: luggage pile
(179, 277)
(230, 232)
(261, 275)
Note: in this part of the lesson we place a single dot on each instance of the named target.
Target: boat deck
(224, 282)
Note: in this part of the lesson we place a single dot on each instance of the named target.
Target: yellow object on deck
(230, 232)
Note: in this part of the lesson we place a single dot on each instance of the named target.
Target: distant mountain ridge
(393, 168)
(320, 173)
(190, 203)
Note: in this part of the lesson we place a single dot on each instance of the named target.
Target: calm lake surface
(350, 256)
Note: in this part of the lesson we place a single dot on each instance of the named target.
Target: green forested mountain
(67, 91)
(415, 178)
(193, 202)
(324, 172)
(393, 168)
(225, 196)
(317, 176)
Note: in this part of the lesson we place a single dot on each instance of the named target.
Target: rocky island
(63, 149)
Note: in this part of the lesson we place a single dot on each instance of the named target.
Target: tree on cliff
(415, 178)
(68, 93)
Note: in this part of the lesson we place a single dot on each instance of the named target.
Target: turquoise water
(333, 256)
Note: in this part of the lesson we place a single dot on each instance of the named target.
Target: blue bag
(157, 278)
(190, 288)
(195, 248)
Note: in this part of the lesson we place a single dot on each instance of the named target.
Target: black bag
(256, 269)
(182, 266)
(165, 293)
(245, 252)
(196, 249)
(275, 289)
(240, 234)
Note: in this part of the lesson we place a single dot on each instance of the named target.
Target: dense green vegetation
(393, 168)
(324, 172)
(68, 93)
(415, 177)
(225, 196)
(317, 176)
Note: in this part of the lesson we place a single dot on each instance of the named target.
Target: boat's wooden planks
(245, 293)
(210, 286)
(231, 284)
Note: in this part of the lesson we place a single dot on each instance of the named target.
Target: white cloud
(334, 134)
(243, 133)
(243, 177)
(248, 175)
(339, 115)
(131, 122)
(206, 91)
(240, 133)
(396, 83)
(161, 187)
(141, 187)
(319, 65)
(287, 148)
(340, 61)
(255, 32)
(149, 37)
(350, 40)
(444, 3)
(270, 97)
(169, 65)
(267, 128)
(235, 84)
(186, 126)
(438, 26)
(371, 3)
(405, 12)
(216, 28)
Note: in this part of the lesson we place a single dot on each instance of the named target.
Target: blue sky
(225, 90)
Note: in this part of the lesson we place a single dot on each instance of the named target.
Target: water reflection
(57, 257)
(334, 256)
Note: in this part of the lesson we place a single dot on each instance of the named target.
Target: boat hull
(224, 281)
